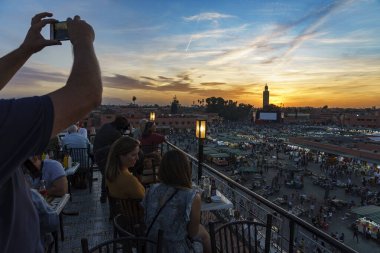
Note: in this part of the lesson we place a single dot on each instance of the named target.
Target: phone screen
(58, 31)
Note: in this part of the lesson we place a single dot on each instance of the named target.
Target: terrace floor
(91, 223)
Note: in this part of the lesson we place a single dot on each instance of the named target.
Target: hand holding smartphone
(58, 31)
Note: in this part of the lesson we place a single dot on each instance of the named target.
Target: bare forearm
(11, 63)
(58, 188)
(85, 75)
(83, 90)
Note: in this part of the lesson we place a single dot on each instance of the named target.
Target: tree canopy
(228, 109)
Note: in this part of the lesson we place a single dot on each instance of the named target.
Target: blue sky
(311, 53)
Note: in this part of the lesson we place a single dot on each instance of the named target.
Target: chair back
(80, 155)
(126, 244)
(128, 226)
(241, 236)
(151, 165)
(132, 218)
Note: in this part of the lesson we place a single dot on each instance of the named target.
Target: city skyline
(310, 53)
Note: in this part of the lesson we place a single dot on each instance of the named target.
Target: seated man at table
(51, 171)
(74, 139)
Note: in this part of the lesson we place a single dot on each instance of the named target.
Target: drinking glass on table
(197, 188)
(42, 189)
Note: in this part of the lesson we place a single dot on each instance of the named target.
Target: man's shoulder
(79, 136)
(106, 135)
(52, 164)
(106, 129)
(28, 124)
(54, 169)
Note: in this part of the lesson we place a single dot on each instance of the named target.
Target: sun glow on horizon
(309, 53)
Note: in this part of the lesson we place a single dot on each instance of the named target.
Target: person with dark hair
(104, 138)
(73, 139)
(119, 179)
(137, 133)
(174, 197)
(50, 171)
(341, 237)
(27, 124)
(150, 139)
(356, 233)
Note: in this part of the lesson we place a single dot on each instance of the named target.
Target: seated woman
(175, 198)
(120, 181)
(150, 139)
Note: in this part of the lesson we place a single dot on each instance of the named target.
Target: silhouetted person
(27, 124)
(104, 138)
(356, 233)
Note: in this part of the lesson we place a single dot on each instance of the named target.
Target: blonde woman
(120, 181)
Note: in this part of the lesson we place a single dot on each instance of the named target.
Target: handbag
(194, 245)
(159, 211)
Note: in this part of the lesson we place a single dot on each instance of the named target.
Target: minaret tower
(266, 97)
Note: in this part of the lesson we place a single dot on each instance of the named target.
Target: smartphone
(58, 31)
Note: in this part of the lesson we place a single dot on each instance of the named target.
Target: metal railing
(289, 232)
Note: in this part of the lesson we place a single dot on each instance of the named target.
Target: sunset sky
(309, 52)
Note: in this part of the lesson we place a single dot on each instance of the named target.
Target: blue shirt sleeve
(49, 219)
(52, 171)
(25, 129)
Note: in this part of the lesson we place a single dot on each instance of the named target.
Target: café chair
(132, 211)
(150, 149)
(127, 244)
(151, 164)
(128, 226)
(83, 157)
(241, 236)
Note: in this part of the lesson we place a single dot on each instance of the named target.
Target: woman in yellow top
(120, 181)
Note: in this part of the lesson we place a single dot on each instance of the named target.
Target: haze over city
(311, 53)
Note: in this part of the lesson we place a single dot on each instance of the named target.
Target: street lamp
(200, 133)
(152, 116)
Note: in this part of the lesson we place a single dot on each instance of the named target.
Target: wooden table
(72, 170)
(57, 204)
(207, 209)
(69, 173)
(224, 203)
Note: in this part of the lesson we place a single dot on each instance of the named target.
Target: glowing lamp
(152, 116)
(200, 129)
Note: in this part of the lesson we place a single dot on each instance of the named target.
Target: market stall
(369, 217)
(368, 227)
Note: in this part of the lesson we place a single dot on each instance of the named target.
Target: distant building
(297, 118)
(165, 121)
(265, 97)
(265, 117)
(370, 120)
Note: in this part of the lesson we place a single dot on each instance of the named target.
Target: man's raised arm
(83, 90)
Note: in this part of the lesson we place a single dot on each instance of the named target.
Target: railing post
(268, 233)
(200, 159)
(291, 236)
